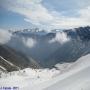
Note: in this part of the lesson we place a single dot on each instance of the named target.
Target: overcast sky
(44, 13)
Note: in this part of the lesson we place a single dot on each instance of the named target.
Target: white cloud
(35, 13)
(60, 38)
(85, 14)
(29, 42)
(5, 36)
(32, 10)
(82, 19)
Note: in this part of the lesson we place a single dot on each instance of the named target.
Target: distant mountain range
(39, 49)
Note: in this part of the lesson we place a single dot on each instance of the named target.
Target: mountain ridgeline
(41, 49)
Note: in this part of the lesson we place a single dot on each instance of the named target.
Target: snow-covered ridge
(8, 62)
(1, 67)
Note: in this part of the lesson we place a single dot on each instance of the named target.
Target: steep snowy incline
(78, 81)
(77, 78)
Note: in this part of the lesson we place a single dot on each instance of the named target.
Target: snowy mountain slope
(77, 81)
(76, 77)
(27, 77)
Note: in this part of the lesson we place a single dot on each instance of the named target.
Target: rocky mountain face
(46, 48)
(78, 46)
(83, 33)
(11, 60)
